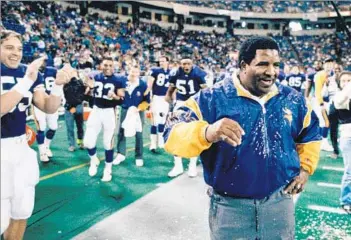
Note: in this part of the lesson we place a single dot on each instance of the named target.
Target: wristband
(23, 86)
(57, 90)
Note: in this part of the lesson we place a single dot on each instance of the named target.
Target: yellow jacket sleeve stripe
(192, 105)
(307, 118)
(187, 139)
(309, 155)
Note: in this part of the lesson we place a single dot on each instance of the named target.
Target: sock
(161, 128)
(42, 148)
(49, 136)
(153, 130)
(40, 137)
(108, 165)
(109, 156)
(92, 152)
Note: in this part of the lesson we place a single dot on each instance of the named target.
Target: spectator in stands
(246, 130)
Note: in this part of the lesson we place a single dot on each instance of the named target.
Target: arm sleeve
(202, 78)
(152, 73)
(185, 130)
(39, 83)
(308, 141)
(173, 75)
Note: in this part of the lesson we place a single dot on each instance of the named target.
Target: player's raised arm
(11, 98)
(50, 103)
(202, 78)
(172, 87)
(150, 79)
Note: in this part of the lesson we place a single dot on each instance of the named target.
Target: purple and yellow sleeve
(308, 146)
(185, 131)
(320, 79)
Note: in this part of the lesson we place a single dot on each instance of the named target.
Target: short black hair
(248, 48)
(329, 59)
(164, 56)
(186, 54)
(107, 58)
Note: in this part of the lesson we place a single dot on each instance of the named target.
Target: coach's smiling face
(259, 76)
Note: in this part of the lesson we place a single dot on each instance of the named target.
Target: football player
(317, 66)
(321, 107)
(108, 90)
(296, 80)
(188, 79)
(42, 119)
(158, 81)
(20, 86)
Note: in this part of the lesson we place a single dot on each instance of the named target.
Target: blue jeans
(345, 147)
(239, 218)
(70, 119)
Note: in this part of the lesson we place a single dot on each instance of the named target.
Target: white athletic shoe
(325, 146)
(107, 175)
(119, 158)
(94, 163)
(192, 171)
(139, 162)
(44, 157)
(48, 152)
(176, 171)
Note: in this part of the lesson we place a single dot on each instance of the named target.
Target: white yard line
(339, 169)
(329, 185)
(326, 209)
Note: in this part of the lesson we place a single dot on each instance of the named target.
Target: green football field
(69, 201)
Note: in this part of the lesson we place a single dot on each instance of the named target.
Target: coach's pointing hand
(226, 130)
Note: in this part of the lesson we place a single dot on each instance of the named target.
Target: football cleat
(139, 162)
(44, 157)
(119, 158)
(107, 176)
(49, 153)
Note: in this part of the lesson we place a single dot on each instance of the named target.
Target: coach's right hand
(226, 130)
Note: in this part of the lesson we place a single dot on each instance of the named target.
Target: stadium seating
(66, 36)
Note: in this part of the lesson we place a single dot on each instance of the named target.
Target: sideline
(77, 167)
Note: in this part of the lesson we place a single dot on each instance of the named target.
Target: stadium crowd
(66, 36)
(181, 64)
(270, 6)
